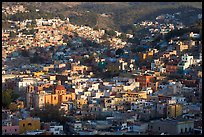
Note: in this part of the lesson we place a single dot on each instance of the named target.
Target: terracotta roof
(60, 87)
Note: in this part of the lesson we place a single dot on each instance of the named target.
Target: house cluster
(162, 25)
(156, 91)
(128, 100)
(13, 9)
(13, 125)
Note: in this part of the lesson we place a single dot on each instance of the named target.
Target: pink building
(10, 130)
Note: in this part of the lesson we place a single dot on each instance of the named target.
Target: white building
(57, 130)
(176, 99)
(24, 82)
(131, 86)
(186, 61)
(123, 65)
(140, 128)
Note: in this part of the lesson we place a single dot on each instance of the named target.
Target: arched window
(185, 130)
(190, 129)
(29, 124)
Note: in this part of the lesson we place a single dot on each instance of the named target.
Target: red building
(144, 80)
(171, 68)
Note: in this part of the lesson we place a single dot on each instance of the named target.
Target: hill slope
(119, 15)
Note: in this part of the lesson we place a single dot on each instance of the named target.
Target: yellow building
(40, 98)
(5, 35)
(117, 100)
(200, 74)
(20, 104)
(48, 99)
(174, 52)
(133, 96)
(174, 110)
(143, 56)
(150, 54)
(48, 67)
(52, 77)
(38, 74)
(182, 46)
(29, 124)
(81, 102)
(80, 69)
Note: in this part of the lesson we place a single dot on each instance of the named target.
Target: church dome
(60, 87)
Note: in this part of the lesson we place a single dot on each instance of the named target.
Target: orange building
(144, 80)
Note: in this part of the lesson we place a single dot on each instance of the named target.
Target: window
(159, 128)
(181, 130)
(185, 129)
(29, 124)
(23, 125)
(15, 129)
(55, 98)
(5, 130)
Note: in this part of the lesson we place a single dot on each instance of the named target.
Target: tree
(8, 96)
(96, 28)
(14, 96)
(140, 49)
(13, 107)
(65, 36)
(6, 99)
(134, 40)
(119, 52)
(111, 33)
(5, 25)
(105, 36)
(12, 34)
(25, 53)
(123, 37)
(33, 23)
(49, 113)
